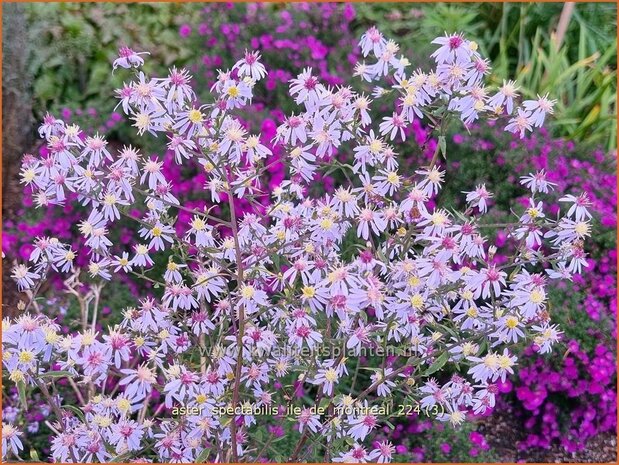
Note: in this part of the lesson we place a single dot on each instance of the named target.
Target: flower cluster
(554, 397)
(255, 308)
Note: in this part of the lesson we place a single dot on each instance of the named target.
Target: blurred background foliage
(520, 40)
(73, 45)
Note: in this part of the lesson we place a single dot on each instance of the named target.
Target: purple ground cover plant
(267, 312)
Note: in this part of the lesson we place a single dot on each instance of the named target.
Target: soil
(502, 432)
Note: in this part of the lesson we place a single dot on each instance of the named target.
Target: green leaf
(75, 410)
(45, 87)
(57, 374)
(438, 364)
(34, 456)
(120, 458)
(324, 403)
(442, 143)
(201, 458)
(21, 389)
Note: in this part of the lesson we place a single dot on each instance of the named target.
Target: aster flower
(303, 334)
(151, 120)
(361, 104)
(180, 385)
(357, 454)
(326, 135)
(372, 41)
(306, 89)
(570, 231)
(326, 377)
(179, 89)
(579, 208)
(250, 66)
(309, 421)
(385, 385)
(96, 150)
(142, 258)
(432, 180)
(362, 425)
(292, 130)
(127, 58)
(383, 453)
(255, 150)
(127, 435)
(251, 298)
(504, 97)
(190, 123)
(181, 147)
(478, 198)
(237, 93)
(363, 71)
(521, 123)
(139, 381)
(537, 182)
(51, 126)
(489, 278)
(392, 125)
(546, 336)
(233, 140)
(539, 109)
(508, 329)
(370, 220)
(157, 235)
(453, 48)
(24, 277)
(302, 162)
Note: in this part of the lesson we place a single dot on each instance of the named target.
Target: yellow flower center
(393, 178)
(252, 142)
(326, 224)
(248, 292)
(376, 146)
(309, 292)
(472, 312)
(26, 356)
(417, 301)
(16, 376)
(582, 229)
(195, 116)
(233, 91)
(414, 281)
(438, 219)
(504, 361)
(123, 405)
(537, 296)
(331, 375)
